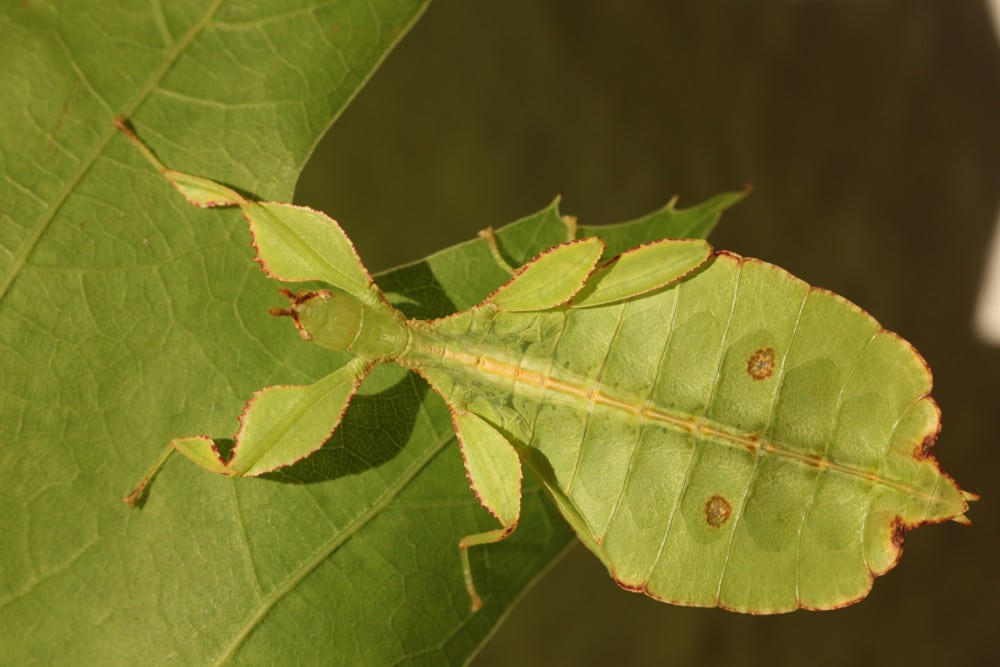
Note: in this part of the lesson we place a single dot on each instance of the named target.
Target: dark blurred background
(870, 134)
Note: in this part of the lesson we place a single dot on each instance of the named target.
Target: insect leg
(494, 473)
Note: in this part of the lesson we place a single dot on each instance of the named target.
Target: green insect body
(716, 431)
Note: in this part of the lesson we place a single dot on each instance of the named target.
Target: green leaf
(694, 223)
(128, 317)
(133, 318)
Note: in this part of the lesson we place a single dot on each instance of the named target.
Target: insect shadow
(417, 291)
(375, 429)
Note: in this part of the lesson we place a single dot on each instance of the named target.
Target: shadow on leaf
(374, 430)
(416, 291)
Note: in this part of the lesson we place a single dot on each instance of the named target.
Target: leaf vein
(592, 404)
(43, 223)
(337, 541)
(642, 417)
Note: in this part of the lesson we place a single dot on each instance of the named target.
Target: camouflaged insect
(714, 429)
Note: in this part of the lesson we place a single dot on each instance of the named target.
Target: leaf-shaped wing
(741, 440)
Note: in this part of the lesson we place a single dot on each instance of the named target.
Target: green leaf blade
(695, 222)
(138, 318)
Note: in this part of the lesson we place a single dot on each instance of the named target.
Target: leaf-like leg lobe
(280, 425)
(200, 192)
(203, 451)
(293, 243)
(494, 472)
(297, 244)
(550, 279)
(642, 270)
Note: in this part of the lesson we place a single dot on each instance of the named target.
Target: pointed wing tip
(969, 496)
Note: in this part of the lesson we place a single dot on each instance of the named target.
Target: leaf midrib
(43, 223)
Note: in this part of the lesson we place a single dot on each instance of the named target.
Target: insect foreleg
(293, 243)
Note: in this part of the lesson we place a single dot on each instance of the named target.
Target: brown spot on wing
(717, 511)
(923, 450)
(898, 529)
(760, 365)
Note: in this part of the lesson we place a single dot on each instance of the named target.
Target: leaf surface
(128, 318)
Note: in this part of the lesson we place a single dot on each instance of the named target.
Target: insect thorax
(338, 321)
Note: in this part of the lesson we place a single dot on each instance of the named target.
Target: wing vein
(871, 498)
(643, 416)
(597, 381)
(754, 474)
(695, 454)
(807, 511)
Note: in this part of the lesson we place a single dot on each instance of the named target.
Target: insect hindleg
(494, 472)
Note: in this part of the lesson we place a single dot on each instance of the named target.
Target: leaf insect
(715, 430)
